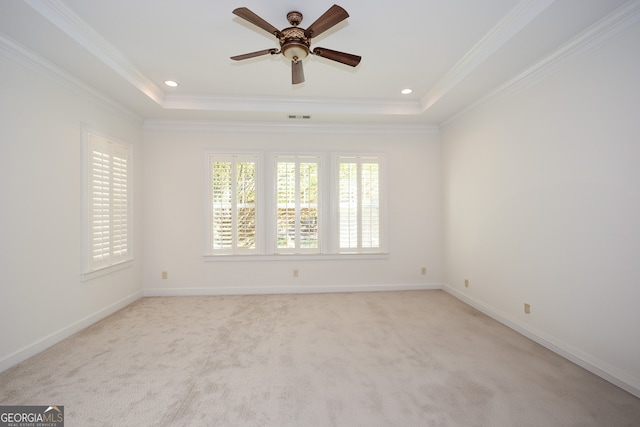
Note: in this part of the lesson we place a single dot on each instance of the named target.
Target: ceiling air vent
(299, 117)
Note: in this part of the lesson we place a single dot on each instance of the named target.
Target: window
(297, 209)
(233, 192)
(107, 206)
(297, 204)
(359, 209)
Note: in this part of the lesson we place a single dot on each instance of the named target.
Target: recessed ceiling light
(171, 83)
(406, 91)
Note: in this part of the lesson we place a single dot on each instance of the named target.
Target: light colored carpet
(419, 358)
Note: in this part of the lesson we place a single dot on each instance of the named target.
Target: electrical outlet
(424, 271)
(165, 275)
(527, 308)
(295, 273)
(466, 283)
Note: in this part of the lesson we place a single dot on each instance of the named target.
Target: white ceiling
(450, 52)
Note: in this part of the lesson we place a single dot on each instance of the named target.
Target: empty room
(411, 213)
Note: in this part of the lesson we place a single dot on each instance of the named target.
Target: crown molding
(15, 52)
(609, 27)
(62, 17)
(288, 104)
(516, 20)
(281, 127)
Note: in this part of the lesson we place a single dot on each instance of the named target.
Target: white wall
(542, 206)
(538, 197)
(42, 298)
(174, 226)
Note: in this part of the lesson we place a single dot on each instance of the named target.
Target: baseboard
(577, 356)
(54, 338)
(266, 290)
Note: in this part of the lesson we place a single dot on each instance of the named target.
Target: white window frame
(359, 159)
(213, 157)
(266, 228)
(117, 250)
(297, 159)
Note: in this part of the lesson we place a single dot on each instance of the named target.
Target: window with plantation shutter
(297, 210)
(107, 203)
(294, 205)
(359, 204)
(233, 204)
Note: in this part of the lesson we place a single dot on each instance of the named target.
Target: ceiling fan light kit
(295, 42)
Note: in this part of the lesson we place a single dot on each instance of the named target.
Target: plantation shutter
(120, 204)
(297, 210)
(100, 211)
(108, 202)
(221, 213)
(308, 201)
(370, 202)
(286, 207)
(348, 205)
(233, 204)
(359, 210)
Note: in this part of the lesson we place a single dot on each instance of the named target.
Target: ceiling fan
(295, 43)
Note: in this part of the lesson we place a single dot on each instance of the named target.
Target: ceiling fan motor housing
(294, 44)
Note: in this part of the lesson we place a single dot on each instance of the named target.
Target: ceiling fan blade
(248, 15)
(254, 54)
(334, 55)
(331, 17)
(297, 72)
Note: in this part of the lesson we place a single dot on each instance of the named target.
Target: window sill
(297, 257)
(106, 270)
